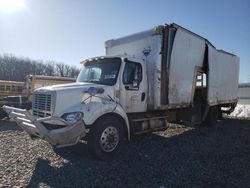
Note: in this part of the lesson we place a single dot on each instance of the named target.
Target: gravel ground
(180, 156)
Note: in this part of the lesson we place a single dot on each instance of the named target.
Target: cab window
(132, 72)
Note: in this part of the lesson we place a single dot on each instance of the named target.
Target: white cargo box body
(186, 55)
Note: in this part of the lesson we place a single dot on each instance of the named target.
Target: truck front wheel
(106, 137)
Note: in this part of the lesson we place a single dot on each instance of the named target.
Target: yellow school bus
(19, 94)
(10, 88)
(33, 82)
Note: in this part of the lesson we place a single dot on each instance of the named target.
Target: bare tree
(16, 68)
(60, 69)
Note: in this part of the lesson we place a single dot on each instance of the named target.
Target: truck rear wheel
(106, 137)
(212, 116)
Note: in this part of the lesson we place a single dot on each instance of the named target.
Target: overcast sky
(71, 30)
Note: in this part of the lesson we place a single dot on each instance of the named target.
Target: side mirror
(135, 84)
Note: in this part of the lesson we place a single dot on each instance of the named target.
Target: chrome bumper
(66, 136)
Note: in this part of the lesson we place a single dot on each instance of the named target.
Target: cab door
(133, 86)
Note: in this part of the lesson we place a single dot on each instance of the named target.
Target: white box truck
(166, 74)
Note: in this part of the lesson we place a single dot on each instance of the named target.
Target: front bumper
(65, 136)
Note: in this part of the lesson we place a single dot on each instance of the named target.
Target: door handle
(129, 87)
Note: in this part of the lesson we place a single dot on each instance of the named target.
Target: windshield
(101, 71)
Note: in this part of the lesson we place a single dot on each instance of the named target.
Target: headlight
(73, 117)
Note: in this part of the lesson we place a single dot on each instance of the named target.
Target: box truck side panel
(145, 45)
(187, 54)
(223, 76)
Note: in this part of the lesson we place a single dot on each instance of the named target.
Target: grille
(42, 105)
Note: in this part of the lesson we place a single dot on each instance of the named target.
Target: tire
(105, 138)
(212, 116)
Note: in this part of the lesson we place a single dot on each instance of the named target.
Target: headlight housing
(72, 117)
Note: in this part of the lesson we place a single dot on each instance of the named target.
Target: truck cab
(126, 75)
(107, 89)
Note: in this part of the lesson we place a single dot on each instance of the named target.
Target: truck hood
(70, 86)
(77, 87)
(68, 97)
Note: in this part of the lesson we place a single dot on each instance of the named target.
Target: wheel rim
(109, 139)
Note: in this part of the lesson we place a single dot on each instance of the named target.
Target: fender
(94, 110)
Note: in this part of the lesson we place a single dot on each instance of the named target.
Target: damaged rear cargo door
(187, 55)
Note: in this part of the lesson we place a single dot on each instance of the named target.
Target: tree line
(14, 68)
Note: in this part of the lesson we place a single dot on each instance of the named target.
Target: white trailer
(166, 74)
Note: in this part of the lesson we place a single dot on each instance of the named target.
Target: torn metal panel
(187, 53)
(223, 76)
